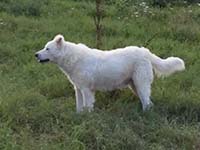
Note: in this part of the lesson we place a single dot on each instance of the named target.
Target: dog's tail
(166, 67)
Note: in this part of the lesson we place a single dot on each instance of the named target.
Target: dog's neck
(70, 57)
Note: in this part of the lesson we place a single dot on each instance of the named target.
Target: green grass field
(37, 103)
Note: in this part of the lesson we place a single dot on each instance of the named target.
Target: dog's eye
(47, 49)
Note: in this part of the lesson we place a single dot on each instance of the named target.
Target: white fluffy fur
(91, 69)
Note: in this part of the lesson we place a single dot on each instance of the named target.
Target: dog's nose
(36, 55)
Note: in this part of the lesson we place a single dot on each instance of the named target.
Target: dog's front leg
(88, 99)
(79, 100)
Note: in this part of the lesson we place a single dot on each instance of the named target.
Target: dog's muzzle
(41, 60)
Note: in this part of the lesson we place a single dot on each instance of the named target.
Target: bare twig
(147, 42)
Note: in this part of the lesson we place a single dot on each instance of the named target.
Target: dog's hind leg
(88, 99)
(143, 77)
(132, 87)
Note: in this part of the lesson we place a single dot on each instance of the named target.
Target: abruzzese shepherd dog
(92, 69)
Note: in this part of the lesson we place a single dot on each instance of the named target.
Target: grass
(37, 106)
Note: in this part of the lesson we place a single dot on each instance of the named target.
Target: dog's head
(51, 50)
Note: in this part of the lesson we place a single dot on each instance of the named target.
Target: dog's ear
(59, 39)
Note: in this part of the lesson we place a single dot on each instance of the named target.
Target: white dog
(91, 69)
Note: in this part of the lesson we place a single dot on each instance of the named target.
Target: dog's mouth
(43, 60)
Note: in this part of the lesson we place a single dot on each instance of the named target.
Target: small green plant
(98, 17)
